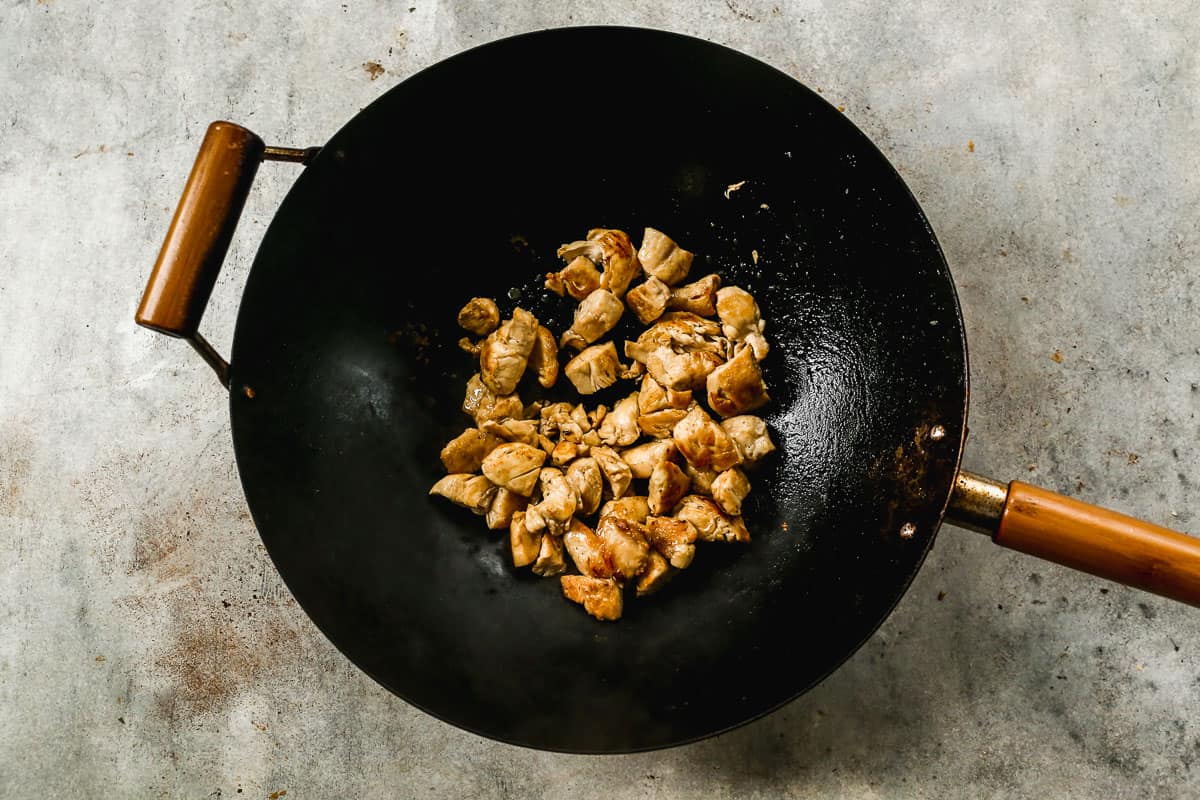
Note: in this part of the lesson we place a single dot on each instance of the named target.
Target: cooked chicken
(595, 316)
(535, 523)
(597, 415)
(660, 424)
(470, 348)
(600, 598)
(587, 551)
(668, 483)
(653, 397)
(479, 316)
(469, 491)
(514, 466)
(525, 545)
(505, 352)
(676, 371)
(701, 478)
(591, 439)
(610, 249)
(615, 470)
(645, 457)
(483, 404)
(656, 573)
(703, 442)
(625, 543)
(513, 430)
(685, 331)
(557, 505)
(550, 557)
(730, 489)
(737, 386)
(543, 359)
(632, 507)
(750, 435)
(740, 319)
(547, 444)
(620, 426)
(594, 369)
(578, 278)
(712, 525)
(565, 452)
(674, 538)
(504, 505)
(584, 475)
(581, 418)
(648, 300)
(698, 297)
(635, 370)
(662, 258)
(553, 417)
(465, 452)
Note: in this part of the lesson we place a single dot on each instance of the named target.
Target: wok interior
(463, 181)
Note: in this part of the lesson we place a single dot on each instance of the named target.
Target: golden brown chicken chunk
(587, 551)
(648, 300)
(524, 544)
(654, 397)
(512, 430)
(578, 278)
(612, 250)
(662, 258)
(465, 452)
(674, 538)
(668, 483)
(557, 505)
(632, 507)
(703, 442)
(643, 458)
(479, 316)
(514, 466)
(505, 352)
(701, 478)
(712, 525)
(624, 541)
(684, 331)
(737, 386)
(599, 597)
(584, 474)
(469, 491)
(656, 573)
(740, 319)
(543, 359)
(615, 470)
(565, 452)
(620, 426)
(660, 424)
(730, 489)
(698, 297)
(483, 404)
(594, 369)
(595, 316)
(504, 505)
(550, 557)
(677, 371)
(750, 435)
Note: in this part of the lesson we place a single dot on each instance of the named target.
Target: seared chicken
(698, 297)
(505, 352)
(594, 369)
(674, 538)
(524, 544)
(578, 278)
(740, 319)
(543, 359)
(615, 470)
(668, 483)
(553, 417)
(730, 489)
(660, 424)
(711, 524)
(581, 418)
(595, 316)
(737, 386)
(662, 258)
(535, 523)
(703, 442)
(701, 479)
(750, 435)
(610, 249)
(656, 573)
(645, 457)
(587, 551)
(479, 316)
(600, 598)
(504, 505)
(648, 300)
(632, 507)
(591, 439)
(513, 430)
(514, 466)
(483, 404)
(465, 452)
(625, 543)
(676, 371)
(557, 505)
(584, 475)
(469, 491)
(654, 397)
(684, 331)
(565, 452)
(550, 557)
(470, 348)
(620, 426)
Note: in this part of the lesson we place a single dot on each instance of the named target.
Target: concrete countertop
(148, 648)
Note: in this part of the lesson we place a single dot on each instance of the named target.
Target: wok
(345, 381)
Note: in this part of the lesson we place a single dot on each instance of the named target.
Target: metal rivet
(908, 530)
(937, 433)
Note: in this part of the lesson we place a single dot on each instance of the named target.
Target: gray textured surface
(147, 647)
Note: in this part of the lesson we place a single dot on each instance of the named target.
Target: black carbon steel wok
(346, 381)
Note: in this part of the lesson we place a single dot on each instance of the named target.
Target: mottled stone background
(147, 647)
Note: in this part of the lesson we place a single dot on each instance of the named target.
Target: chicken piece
(674, 538)
(701, 478)
(600, 598)
(711, 524)
(584, 475)
(632, 507)
(740, 319)
(479, 316)
(553, 417)
(676, 371)
(635, 370)
(698, 297)
(483, 404)
(645, 457)
(648, 300)
(515, 466)
(654, 397)
(580, 416)
(662, 258)
(469, 491)
(504, 505)
(620, 426)
(612, 250)
(594, 369)
(513, 430)
(579, 278)
(660, 424)
(684, 331)
(703, 442)
(465, 452)
(656, 573)
(543, 359)
(550, 560)
(557, 505)
(625, 543)
(470, 348)
(730, 489)
(587, 551)
(668, 483)
(505, 352)
(591, 439)
(615, 470)
(565, 452)
(595, 316)
(524, 544)
(750, 436)
(737, 386)
(547, 444)
(535, 523)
